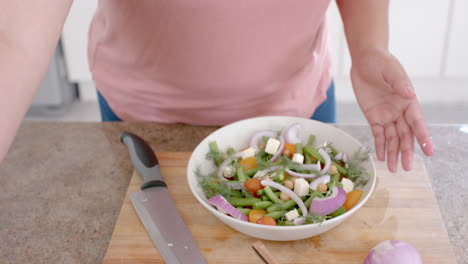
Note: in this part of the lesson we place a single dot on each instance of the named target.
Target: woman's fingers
(415, 118)
(393, 146)
(406, 143)
(379, 141)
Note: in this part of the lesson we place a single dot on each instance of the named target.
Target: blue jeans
(326, 112)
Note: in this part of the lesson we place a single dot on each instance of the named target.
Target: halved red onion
(328, 205)
(322, 179)
(291, 134)
(327, 159)
(223, 205)
(280, 149)
(290, 193)
(316, 167)
(262, 173)
(393, 251)
(226, 163)
(259, 135)
(299, 220)
(302, 175)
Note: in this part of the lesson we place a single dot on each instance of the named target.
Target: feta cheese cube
(291, 215)
(301, 187)
(299, 158)
(229, 171)
(348, 185)
(272, 146)
(250, 152)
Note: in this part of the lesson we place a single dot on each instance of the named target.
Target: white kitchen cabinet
(457, 49)
(75, 45)
(417, 36)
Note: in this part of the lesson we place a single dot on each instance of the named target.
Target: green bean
(260, 192)
(285, 223)
(236, 193)
(262, 205)
(311, 139)
(338, 212)
(245, 211)
(308, 202)
(240, 174)
(275, 215)
(339, 184)
(283, 206)
(238, 201)
(217, 157)
(250, 173)
(272, 195)
(299, 148)
(309, 149)
(307, 159)
(264, 198)
(335, 178)
(333, 151)
(279, 175)
(277, 193)
(230, 151)
(340, 168)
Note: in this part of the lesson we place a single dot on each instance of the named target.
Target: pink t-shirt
(210, 62)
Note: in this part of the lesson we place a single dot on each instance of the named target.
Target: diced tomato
(256, 214)
(248, 163)
(266, 220)
(352, 198)
(253, 185)
(289, 150)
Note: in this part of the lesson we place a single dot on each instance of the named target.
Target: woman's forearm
(29, 31)
(365, 23)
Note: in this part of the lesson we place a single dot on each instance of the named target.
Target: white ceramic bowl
(238, 134)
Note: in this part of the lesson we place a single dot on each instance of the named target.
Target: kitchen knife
(157, 210)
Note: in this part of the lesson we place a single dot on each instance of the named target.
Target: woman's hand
(386, 96)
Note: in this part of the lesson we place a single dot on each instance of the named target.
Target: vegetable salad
(279, 180)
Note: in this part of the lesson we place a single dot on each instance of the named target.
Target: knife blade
(157, 210)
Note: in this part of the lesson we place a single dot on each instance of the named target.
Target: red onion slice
(339, 156)
(302, 175)
(262, 173)
(223, 205)
(327, 159)
(290, 193)
(299, 221)
(280, 149)
(322, 179)
(225, 163)
(312, 166)
(328, 205)
(259, 135)
(291, 134)
(345, 157)
(342, 156)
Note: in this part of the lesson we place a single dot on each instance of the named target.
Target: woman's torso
(210, 62)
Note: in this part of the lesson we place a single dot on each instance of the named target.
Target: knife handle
(144, 160)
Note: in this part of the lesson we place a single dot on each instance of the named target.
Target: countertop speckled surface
(62, 185)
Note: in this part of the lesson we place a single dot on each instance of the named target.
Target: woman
(212, 62)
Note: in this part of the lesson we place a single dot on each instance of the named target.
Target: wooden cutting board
(402, 207)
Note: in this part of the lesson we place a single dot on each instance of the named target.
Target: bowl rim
(337, 219)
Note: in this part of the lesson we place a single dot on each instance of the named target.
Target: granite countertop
(62, 185)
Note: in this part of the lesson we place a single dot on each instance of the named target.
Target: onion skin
(393, 251)
(328, 205)
(223, 205)
(327, 159)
